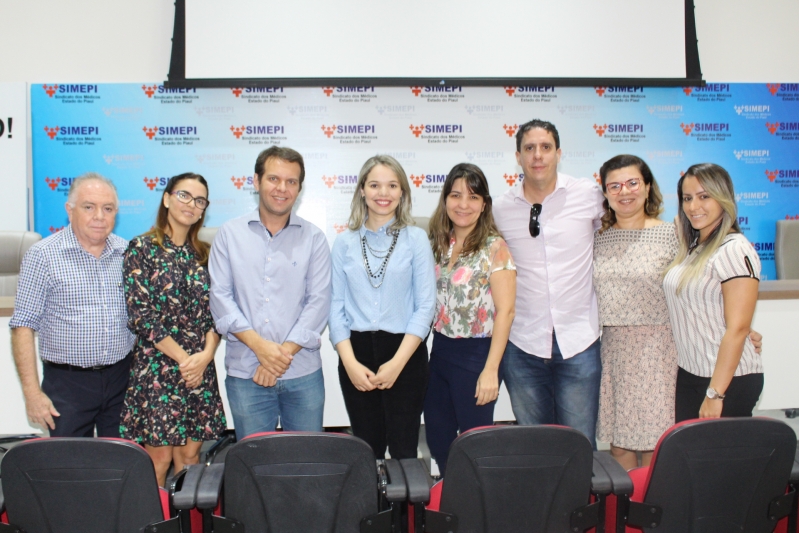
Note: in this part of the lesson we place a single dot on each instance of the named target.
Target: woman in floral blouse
(172, 402)
(475, 305)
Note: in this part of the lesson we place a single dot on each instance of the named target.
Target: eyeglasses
(615, 188)
(535, 226)
(186, 198)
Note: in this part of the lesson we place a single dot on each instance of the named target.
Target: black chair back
(286, 482)
(70, 485)
(517, 479)
(721, 475)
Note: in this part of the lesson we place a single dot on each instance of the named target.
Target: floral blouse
(464, 306)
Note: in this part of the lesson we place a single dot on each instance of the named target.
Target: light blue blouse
(404, 303)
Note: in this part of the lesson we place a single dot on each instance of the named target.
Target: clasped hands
(275, 360)
(365, 380)
(192, 368)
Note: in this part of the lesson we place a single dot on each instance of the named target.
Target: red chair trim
(435, 496)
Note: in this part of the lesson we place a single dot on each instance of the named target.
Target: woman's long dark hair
(201, 249)
(441, 226)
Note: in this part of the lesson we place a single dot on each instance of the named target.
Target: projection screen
(464, 42)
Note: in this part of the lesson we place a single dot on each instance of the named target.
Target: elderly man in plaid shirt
(70, 292)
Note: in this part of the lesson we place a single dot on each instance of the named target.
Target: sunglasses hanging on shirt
(535, 226)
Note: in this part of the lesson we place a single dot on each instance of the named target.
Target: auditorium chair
(284, 482)
(207, 234)
(81, 485)
(13, 245)
(712, 475)
(422, 223)
(218, 450)
(786, 249)
(514, 479)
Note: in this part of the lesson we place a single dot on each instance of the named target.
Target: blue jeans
(555, 391)
(450, 407)
(297, 403)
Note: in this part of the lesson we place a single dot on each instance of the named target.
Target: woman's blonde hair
(359, 212)
(717, 183)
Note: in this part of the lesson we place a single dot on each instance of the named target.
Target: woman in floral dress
(639, 358)
(172, 403)
(475, 305)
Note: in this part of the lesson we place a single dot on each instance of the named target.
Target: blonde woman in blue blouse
(383, 303)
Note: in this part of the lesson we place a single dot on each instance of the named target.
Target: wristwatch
(713, 395)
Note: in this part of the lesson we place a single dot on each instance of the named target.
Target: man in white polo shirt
(552, 364)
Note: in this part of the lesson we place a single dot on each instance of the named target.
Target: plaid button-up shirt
(74, 300)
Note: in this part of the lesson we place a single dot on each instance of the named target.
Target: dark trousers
(450, 406)
(392, 416)
(87, 398)
(740, 397)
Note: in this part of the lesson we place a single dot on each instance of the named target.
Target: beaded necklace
(381, 272)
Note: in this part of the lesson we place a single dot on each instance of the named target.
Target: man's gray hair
(84, 178)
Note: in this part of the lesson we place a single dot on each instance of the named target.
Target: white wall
(86, 40)
(745, 41)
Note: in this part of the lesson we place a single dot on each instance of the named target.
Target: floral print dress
(464, 306)
(167, 295)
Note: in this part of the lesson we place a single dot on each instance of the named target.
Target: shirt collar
(380, 231)
(294, 220)
(71, 242)
(560, 183)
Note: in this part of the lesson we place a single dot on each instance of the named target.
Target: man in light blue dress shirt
(270, 298)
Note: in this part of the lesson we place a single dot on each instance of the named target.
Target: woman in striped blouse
(711, 292)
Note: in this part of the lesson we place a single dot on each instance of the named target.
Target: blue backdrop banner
(139, 135)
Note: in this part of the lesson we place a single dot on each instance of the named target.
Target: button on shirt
(554, 287)
(404, 303)
(277, 285)
(74, 300)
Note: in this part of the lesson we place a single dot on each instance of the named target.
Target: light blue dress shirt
(404, 303)
(277, 285)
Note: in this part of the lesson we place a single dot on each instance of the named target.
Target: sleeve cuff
(21, 319)
(339, 334)
(306, 338)
(419, 330)
(158, 333)
(232, 323)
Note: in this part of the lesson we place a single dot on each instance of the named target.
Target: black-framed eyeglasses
(186, 198)
(631, 184)
(535, 226)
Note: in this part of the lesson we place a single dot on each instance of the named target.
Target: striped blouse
(697, 313)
